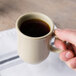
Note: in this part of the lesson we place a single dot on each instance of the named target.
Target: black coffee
(34, 28)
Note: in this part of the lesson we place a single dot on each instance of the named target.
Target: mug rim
(32, 13)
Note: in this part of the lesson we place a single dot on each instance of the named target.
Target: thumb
(66, 35)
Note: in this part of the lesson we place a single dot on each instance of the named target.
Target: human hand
(69, 53)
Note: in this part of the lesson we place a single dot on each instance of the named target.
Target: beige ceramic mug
(34, 49)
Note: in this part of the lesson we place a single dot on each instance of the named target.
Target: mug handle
(52, 48)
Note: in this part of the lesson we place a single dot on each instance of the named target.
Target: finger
(60, 44)
(66, 35)
(72, 63)
(66, 55)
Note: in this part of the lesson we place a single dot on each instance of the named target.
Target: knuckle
(72, 64)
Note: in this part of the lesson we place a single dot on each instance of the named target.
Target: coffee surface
(34, 28)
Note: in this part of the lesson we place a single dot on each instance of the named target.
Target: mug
(34, 50)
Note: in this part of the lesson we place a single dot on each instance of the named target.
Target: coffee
(34, 28)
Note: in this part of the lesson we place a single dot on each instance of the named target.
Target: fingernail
(68, 55)
(58, 30)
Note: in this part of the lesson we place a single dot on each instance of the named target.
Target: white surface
(52, 66)
(8, 41)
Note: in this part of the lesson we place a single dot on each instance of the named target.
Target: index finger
(66, 35)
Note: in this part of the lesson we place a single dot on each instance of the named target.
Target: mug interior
(35, 15)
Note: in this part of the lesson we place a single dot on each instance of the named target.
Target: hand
(69, 53)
